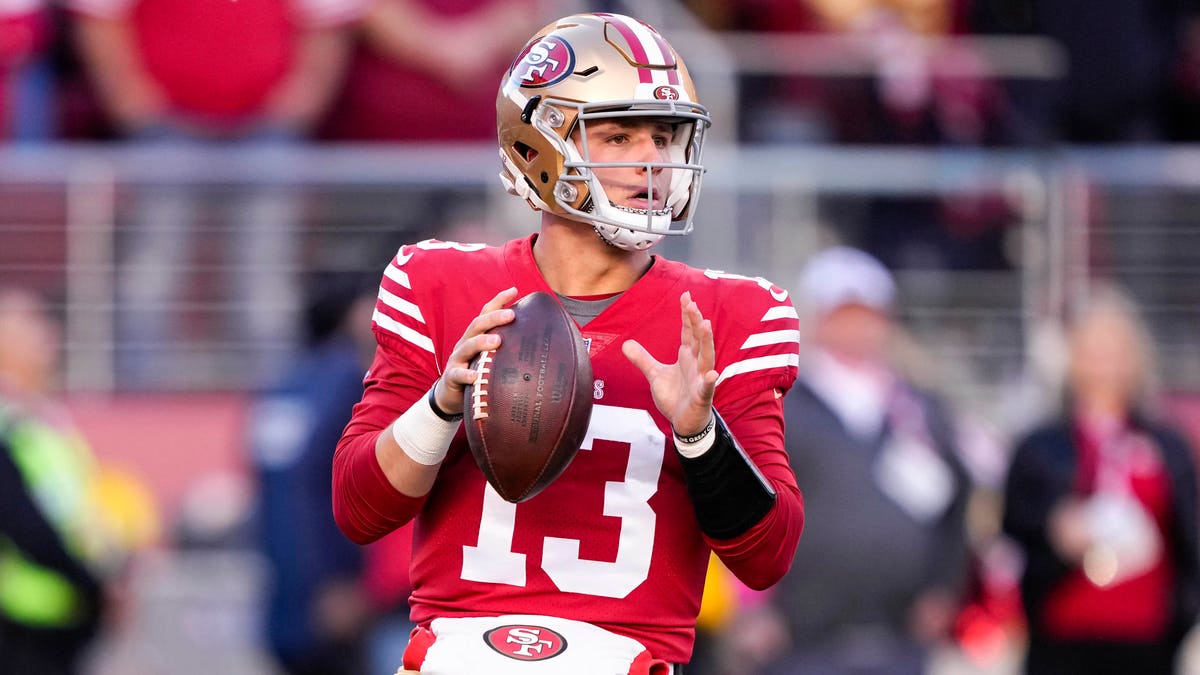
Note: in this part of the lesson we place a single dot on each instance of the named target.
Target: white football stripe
(388, 323)
(774, 337)
(759, 363)
(654, 53)
(400, 305)
(397, 275)
(781, 312)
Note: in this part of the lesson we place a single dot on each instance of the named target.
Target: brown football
(529, 408)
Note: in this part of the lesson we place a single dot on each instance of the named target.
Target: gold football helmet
(586, 67)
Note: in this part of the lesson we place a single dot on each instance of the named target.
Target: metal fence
(187, 269)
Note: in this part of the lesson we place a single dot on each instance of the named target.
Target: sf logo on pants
(525, 643)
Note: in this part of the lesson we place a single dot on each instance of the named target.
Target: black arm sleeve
(22, 522)
(728, 492)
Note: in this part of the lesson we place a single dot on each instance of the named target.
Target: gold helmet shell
(586, 67)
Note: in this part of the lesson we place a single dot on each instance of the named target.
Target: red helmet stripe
(635, 44)
(668, 57)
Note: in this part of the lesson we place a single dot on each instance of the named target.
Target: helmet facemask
(623, 226)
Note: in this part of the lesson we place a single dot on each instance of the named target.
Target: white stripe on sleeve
(401, 305)
(781, 312)
(404, 332)
(775, 337)
(758, 363)
(397, 275)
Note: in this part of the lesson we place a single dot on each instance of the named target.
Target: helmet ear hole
(524, 151)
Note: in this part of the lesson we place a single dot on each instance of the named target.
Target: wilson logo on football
(544, 62)
(526, 643)
(666, 93)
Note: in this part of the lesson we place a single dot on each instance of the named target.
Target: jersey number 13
(492, 560)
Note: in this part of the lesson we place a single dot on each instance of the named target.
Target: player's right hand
(448, 391)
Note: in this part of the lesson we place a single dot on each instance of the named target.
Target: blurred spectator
(920, 89)
(719, 608)
(318, 611)
(387, 583)
(426, 70)
(1183, 105)
(970, 230)
(1117, 86)
(211, 75)
(25, 80)
(924, 89)
(895, 79)
(221, 71)
(54, 546)
(775, 108)
(1103, 502)
(879, 573)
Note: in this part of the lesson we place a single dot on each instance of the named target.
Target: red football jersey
(614, 541)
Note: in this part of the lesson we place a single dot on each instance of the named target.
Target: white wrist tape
(422, 435)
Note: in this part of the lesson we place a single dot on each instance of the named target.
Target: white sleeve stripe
(775, 337)
(404, 332)
(781, 312)
(400, 305)
(397, 275)
(758, 363)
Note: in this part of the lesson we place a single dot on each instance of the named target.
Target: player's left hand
(683, 391)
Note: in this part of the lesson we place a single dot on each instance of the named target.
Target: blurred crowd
(905, 72)
(1079, 556)
(426, 70)
(1080, 550)
(278, 71)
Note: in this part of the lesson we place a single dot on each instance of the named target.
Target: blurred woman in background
(1103, 502)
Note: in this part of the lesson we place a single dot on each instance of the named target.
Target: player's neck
(576, 262)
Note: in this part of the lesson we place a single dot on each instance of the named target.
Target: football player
(601, 131)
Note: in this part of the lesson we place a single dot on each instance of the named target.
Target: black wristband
(729, 494)
(699, 435)
(445, 416)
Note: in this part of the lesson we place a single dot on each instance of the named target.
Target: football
(529, 408)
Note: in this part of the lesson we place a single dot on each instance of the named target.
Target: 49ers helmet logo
(543, 62)
(666, 93)
(525, 643)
